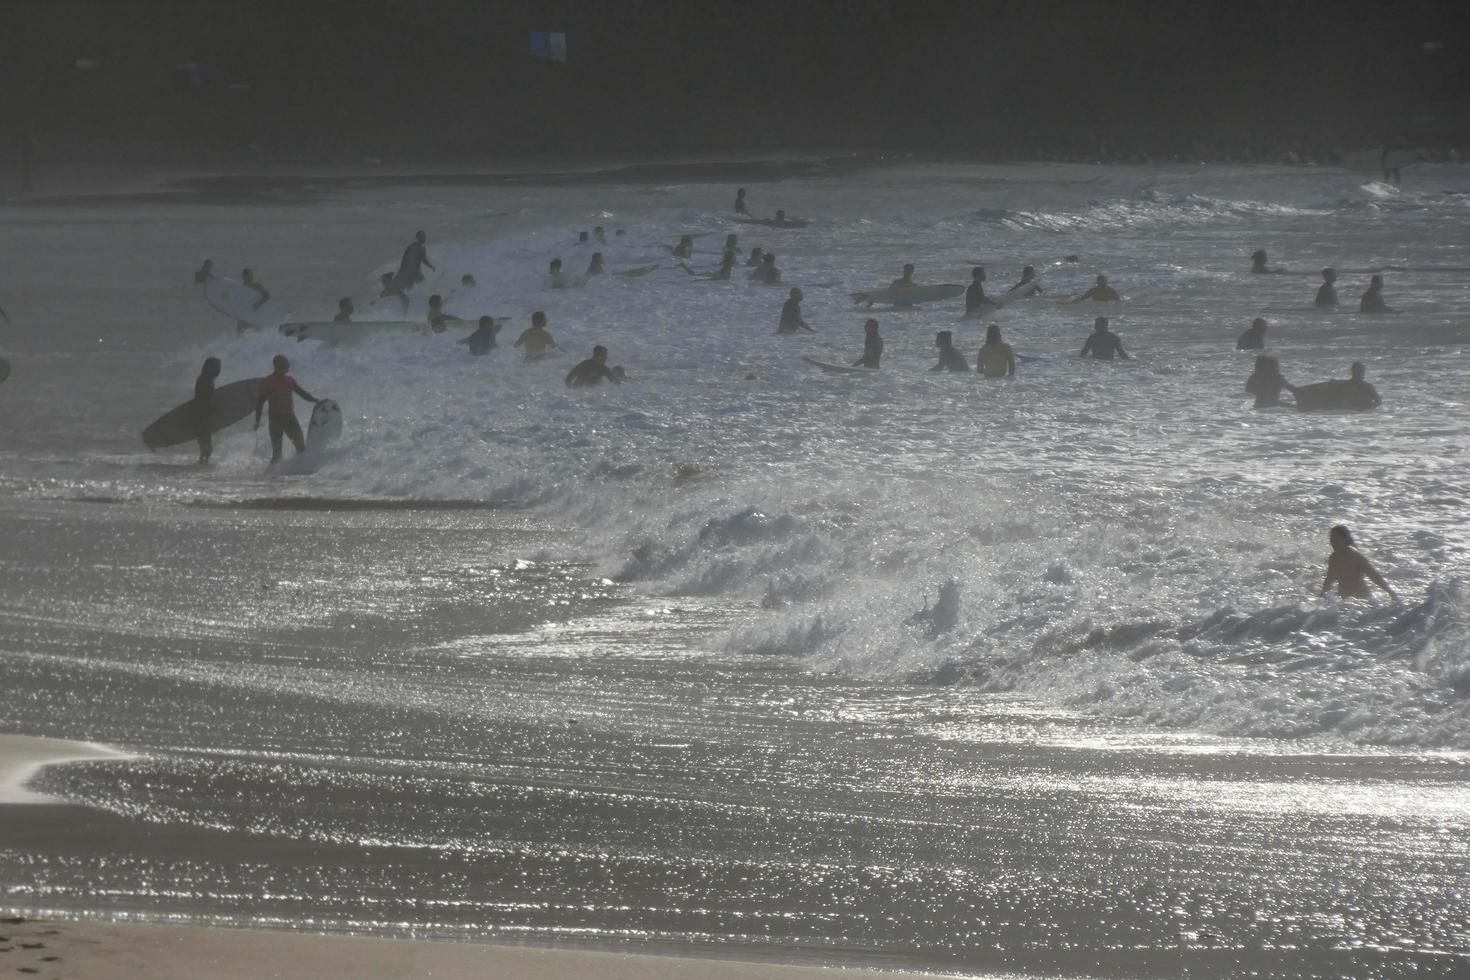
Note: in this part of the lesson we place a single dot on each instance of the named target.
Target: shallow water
(672, 692)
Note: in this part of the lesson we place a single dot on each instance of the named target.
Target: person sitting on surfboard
(996, 359)
(1254, 337)
(536, 339)
(415, 257)
(791, 320)
(438, 319)
(1028, 274)
(1372, 301)
(593, 370)
(1327, 294)
(203, 401)
(685, 248)
(740, 203)
(756, 257)
(767, 274)
(950, 359)
(204, 273)
(872, 346)
(905, 281)
(1266, 382)
(344, 310)
(595, 268)
(276, 391)
(1348, 568)
(1100, 293)
(1102, 343)
(975, 297)
(482, 341)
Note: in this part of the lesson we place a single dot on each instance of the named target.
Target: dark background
(417, 81)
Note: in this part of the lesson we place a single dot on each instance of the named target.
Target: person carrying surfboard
(975, 298)
(1327, 294)
(996, 359)
(905, 281)
(276, 390)
(872, 346)
(791, 321)
(1102, 343)
(203, 402)
(950, 359)
(536, 339)
(411, 266)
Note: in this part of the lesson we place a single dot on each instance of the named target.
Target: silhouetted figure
(872, 346)
(1258, 262)
(482, 341)
(1266, 382)
(975, 297)
(262, 296)
(438, 318)
(411, 266)
(593, 370)
(996, 359)
(740, 207)
(1358, 390)
(791, 321)
(204, 273)
(1102, 343)
(345, 309)
(1101, 292)
(276, 390)
(1372, 301)
(1327, 292)
(757, 256)
(950, 359)
(595, 267)
(767, 274)
(905, 281)
(1254, 336)
(203, 402)
(1028, 274)
(536, 339)
(685, 248)
(1348, 568)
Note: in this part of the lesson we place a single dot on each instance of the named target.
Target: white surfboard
(238, 302)
(325, 426)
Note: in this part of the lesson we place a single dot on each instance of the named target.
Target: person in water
(204, 273)
(467, 281)
(905, 281)
(557, 277)
(595, 267)
(780, 217)
(950, 359)
(415, 257)
(536, 339)
(203, 402)
(685, 248)
(1254, 337)
(791, 321)
(1327, 292)
(732, 243)
(767, 274)
(482, 341)
(392, 288)
(975, 298)
(1258, 263)
(593, 370)
(262, 296)
(740, 207)
(757, 256)
(1102, 343)
(1028, 274)
(1348, 568)
(583, 238)
(1266, 382)
(599, 236)
(1357, 388)
(872, 346)
(1101, 292)
(996, 359)
(345, 310)
(276, 391)
(1372, 301)
(438, 318)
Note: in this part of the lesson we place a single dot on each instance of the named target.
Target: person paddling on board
(593, 370)
(685, 248)
(791, 321)
(872, 346)
(1327, 292)
(975, 299)
(1266, 382)
(1102, 343)
(1028, 274)
(345, 310)
(262, 296)
(767, 274)
(1254, 337)
(1372, 301)
(204, 273)
(905, 281)
(740, 207)
(482, 341)
(438, 319)
(1347, 568)
(595, 267)
(203, 402)
(411, 266)
(996, 359)
(1100, 293)
(276, 391)
(950, 359)
(536, 339)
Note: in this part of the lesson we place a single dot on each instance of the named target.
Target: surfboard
(230, 404)
(330, 332)
(910, 296)
(1332, 396)
(237, 302)
(636, 271)
(838, 368)
(773, 223)
(325, 426)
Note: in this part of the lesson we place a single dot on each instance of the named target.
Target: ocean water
(638, 663)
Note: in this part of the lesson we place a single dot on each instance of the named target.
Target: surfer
(1327, 292)
(482, 341)
(756, 258)
(727, 265)
(1357, 390)
(905, 281)
(438, 319)
(583, 238)
(467, 281)
(950, 359)
(415, 257)
(996, 359)
(276, 390)
(536, 339)
(1102, 343)
(594, 268)
(1266, 382)
(344, 310)
(599, 236)
(1100, 293)
(780, 217)
(1254, 337)
(593, 370)
(767, 274)
(872, 346)
(740, 207)
(732, 242)
(391, 288)
(1258, 263)
(203, 274)
(1372, 301)
(203, 401)
(685, 248)
(791, 321)
(1347, 567)
(262, 296)
(1028, 274)
(975, 298)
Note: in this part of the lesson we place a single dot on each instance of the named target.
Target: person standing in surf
(1102, 344)
(345, 309)
(1267, 383)
(276, 390)
(767, 274)
(536, 339)
(950, 359)
(482, 341)
(203, 403)
(740, 207)
(872, 347)
(791, 321)
(1028, 274)
(996, 359)
(1327, 293)
(1347, 568)
(1100, 293)
(905, 281)
(411, 266)
(1372, 301)
(1254, 336)
(975, 298)
(204, 273)
(593, 370)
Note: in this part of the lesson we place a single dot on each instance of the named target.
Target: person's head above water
(556, 265)
(870, 326)
(978, 273)
(1329, 275)
(1258, 325)
(538, 319)
(740, 192)
(796, 294)
(280, 363)
(1027, 272)
(756, 252)
(582, 238)
(1375, 283)
(908, 269)
(436, 301)
(211, 367)
(1359, 370)
(247, 275)
(1102, 280)
(345, 304)
(1100, 325)
(420, 237)
(1258, 258)
(769, 258)
(467, 280)
(489, 322)
(599, 353)
(780, 215)
(943, 338)
(992, 334)
(1340, 536)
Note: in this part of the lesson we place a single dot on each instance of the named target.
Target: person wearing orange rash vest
(277, 390)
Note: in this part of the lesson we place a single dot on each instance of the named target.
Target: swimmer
(791, 320)
(536, 339)
(757, 256)
(740, 207)
(482, 341)
(767, 274)
(583, 238)
(593, 370)
(1347, 568)
(1254, 337)
(345, 310)
(1372, 301)
(467, 281)
(438, 319)
(1357, 388)
(599, 235)
(1327, 293)
(1102, 343)
(558, 280)
(872, 346)
(1266, 382)
(996, 359)
(391, 287)
(975, 298)
(950, 359)
(1100, 293)
(1258, 263)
